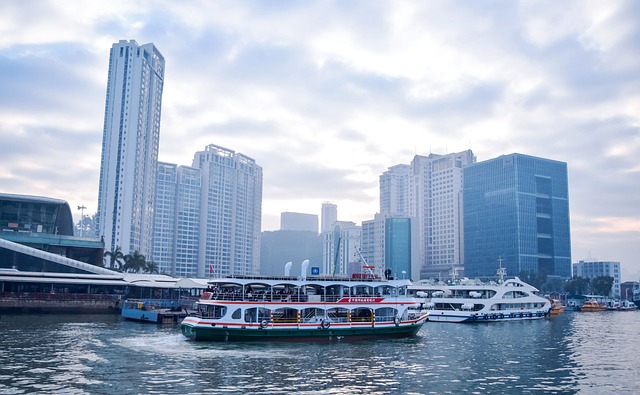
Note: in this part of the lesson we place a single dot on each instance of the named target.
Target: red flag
(210, 269)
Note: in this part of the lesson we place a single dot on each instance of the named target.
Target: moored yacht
(465, 300)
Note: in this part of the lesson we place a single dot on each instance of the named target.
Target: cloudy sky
(327, 95)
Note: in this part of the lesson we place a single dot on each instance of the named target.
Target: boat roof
(315, 280)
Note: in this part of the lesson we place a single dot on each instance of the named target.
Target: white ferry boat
(464, 300)
(304, 309)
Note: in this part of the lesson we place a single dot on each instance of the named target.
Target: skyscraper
(429, 192)
(130, 143)
(516, 209)
(177, 220)
(328, 216)
(230, 212)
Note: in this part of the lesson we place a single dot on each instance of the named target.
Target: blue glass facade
(516, 207)
(398, 246)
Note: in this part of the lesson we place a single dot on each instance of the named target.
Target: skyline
(327, 96)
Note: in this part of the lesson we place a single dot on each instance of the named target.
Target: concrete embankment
(54, 304)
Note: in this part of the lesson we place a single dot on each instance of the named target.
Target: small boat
(556, 307)
(465, 300)
(157, 311)
(242, 308)
(624, 305)
(592, 305)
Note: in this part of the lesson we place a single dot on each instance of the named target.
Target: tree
(602, 285)
(135, 262)
(116, 258)
(151, 267)
(577, 286)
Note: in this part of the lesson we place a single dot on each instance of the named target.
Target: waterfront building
(341, 249)
(230, 212)
(593, 269)
(177, 220)
(328, 216)
(36, 235)
(389, 242)
(516, 211)
(130, 143)
(299, 221)
(429, 191)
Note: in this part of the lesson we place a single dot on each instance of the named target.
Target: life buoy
(397, 321)
(325, 324)
(263, 324)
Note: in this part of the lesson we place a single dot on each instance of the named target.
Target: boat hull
(199, 330)
(460, 317)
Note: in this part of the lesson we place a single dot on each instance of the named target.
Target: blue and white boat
(157, 311)
(465, 300)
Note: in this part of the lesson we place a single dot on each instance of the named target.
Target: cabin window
(237, 314)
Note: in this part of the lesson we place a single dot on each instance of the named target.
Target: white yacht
(465, 300)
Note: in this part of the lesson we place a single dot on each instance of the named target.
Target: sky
(327, 95)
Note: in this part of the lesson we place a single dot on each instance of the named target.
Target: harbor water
(573, 353)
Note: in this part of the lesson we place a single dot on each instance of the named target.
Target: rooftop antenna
(502, 272)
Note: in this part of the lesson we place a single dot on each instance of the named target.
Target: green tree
(115, 257)
(151, 267)
(135, 262)
(577, 286)
(602, 285)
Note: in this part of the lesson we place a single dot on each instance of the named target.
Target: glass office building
(516, 210)
(397, 252)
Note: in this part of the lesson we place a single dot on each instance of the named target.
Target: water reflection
(568, 354)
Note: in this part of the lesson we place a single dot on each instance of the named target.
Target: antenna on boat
(502, 271)
(453, 272)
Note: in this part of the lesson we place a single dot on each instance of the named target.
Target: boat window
(264, 314)
(361, 314)
(338, 314)
(237, 314)
(312, 315)
(384, 314)
(285, 315)
(212, 311)
(251, 314)
(514, 295)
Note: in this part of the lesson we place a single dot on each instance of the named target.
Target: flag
(210, 269)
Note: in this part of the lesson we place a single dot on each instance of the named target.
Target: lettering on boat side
(360, 300)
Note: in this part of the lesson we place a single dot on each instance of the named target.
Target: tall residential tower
(130, 143)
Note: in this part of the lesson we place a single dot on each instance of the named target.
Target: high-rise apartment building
(394, 190)
(341, 249)
(177, 220)
(429, 192)
(328, 216)
(230, 212)
(516, 210)
(130, 143)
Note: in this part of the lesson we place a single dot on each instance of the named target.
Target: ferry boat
(157, 311)
(464, 300)
(592, 305)
(288, 308)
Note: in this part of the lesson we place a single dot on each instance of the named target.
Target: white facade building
(592, 269)
(341, 247)
(429, 190)
(177, 220)
(230, 212)
(130, 143)
(328, 216)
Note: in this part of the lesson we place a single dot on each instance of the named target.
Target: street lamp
(81, 208)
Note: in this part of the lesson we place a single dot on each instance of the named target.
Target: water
(585, 353)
